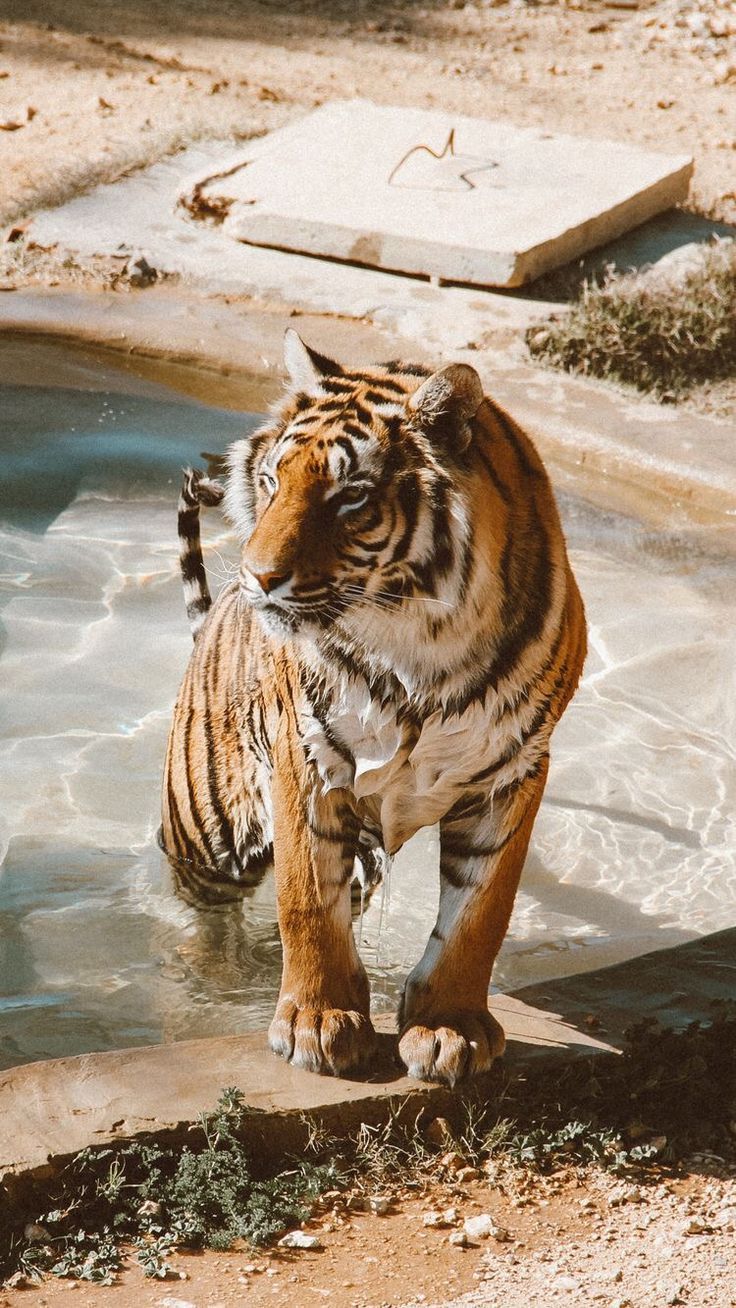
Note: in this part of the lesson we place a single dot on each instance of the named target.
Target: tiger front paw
(332, 1041)
(452, 1047)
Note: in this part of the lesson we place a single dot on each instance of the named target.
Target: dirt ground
(91, 89)
(571, 1238)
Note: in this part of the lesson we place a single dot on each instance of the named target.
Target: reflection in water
(634, 845)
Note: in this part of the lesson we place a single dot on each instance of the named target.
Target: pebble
(625, 1194)
(695, 1226)
(170, 1301)
(299, 1240)
(479, 1228)
(379, 1204)
(670, 1291)
(483, 1226)
(459, 1238)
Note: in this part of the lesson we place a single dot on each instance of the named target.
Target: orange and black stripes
(403, 575)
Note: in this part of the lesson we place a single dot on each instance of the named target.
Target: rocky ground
(88, 91)
(573, 1238)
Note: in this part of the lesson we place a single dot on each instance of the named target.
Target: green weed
(160, 1198)
(668, 1094)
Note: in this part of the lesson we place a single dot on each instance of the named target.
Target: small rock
(299, 1240)
(433, 1219)
(379, 1204)
(459, 1238)
(170, 1301)
(695, 1226)
(439, 1133)
(141, 273)
(671, 1292)
(725, 1217)
(450, 1216)
(464, 1174)
(625, 1194)
(17, 1282)
(566, 1283)
(479, 1228)
(483, 1227)
(357, 1203)
(452, 1161)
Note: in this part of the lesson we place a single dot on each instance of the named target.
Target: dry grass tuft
(662, 334)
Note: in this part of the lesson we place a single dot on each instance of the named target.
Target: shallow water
(634, 847)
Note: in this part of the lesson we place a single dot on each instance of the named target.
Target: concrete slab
(50, 1110)
(424, 192)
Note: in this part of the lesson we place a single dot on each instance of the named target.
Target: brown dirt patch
(571, 1238)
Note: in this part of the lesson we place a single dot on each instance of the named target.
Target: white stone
(483, 1226)
(432, 1219)
(419, 191)
(299, 1240)
(479, 1228)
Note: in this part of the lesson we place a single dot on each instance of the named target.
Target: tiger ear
(447, 401)
(306, 367)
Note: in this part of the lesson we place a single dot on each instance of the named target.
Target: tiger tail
(197, 489)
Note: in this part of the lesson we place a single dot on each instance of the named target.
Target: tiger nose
(268, 581)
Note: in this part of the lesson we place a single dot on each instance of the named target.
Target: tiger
(402, 634)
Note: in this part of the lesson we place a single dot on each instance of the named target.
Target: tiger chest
(408, 777)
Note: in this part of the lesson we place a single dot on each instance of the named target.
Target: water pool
(634, 847)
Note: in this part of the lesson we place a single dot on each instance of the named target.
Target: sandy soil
(571, 1239)
(90, 89)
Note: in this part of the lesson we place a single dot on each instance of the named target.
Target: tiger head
(354, 496)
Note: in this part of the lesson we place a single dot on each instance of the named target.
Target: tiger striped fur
(196, 489)
(403, 635)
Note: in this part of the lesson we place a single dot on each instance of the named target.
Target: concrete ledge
(672, 468)
(50, 1110)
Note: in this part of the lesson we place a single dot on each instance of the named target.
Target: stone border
(49, 1110)
(672, 468)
